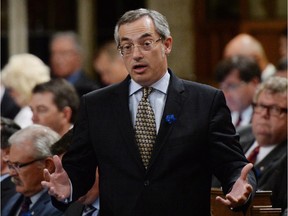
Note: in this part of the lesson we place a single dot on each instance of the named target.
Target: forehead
(21, 151)
(275, 99)
(137, 29)
(63, 43)
(42, 98)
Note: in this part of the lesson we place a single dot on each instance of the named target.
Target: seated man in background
(66, 61)
(54, 104)
(109, 65)
(265, 143)
(29, 155)
(238, 77)
(8, 127)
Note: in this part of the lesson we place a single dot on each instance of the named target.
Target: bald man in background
(246, 45)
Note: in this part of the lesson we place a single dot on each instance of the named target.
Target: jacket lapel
(175, 98)
(123, 117)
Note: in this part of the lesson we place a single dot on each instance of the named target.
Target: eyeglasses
(271, 110)
(16, 166)
(147, 45)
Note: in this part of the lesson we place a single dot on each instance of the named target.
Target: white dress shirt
(157, 98)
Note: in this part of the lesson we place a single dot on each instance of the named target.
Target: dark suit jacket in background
(272, 170)
(43, 206)
(7, 190)
(201, 141)
(9, 108)
(84, 84)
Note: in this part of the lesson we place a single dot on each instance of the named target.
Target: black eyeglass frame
(16, 166)
(276, 110)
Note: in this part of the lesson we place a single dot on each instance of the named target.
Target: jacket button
(146, 183)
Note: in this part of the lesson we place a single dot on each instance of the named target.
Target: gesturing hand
(240, 190)
(57, 183)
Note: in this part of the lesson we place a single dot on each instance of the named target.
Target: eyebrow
(141, 37)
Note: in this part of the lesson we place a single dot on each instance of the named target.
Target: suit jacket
(7, 190)
(201, 141)
(9, 108)
(42, 207)
(84, 84)
(75, 209)
(272, 170)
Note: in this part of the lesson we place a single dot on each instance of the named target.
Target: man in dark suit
(268, 134)
(66, 59)
(194, 136)
(29, 155)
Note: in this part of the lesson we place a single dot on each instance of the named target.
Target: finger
(232, 199)
(58, 164)
(45, 184)
(46, 175)
(246, 169)
(223, 201)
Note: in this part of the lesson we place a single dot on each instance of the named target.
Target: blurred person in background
(246, 45)
(7, 128)
(282, 68)
(238, 77)
(9, 107)
(109, 65)
(66, 61)
(20, 75)
(55, 104)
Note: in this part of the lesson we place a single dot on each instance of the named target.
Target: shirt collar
(35, 197)
(161, 85)
(96, 203)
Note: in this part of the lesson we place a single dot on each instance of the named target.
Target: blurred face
(27, 178)
(64, 59)
(270, 129)
(111, 70)
(238, 94)
(4, 157)
(45, 112)
(145, 67)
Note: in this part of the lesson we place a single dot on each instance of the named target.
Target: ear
(67, 112)
(168, 45)
(49, 164)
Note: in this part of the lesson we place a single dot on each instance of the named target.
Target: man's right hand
(57, 183)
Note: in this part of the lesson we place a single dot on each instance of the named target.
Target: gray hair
(273, 85)
(71, 36)
(160, 22)
(41, 137)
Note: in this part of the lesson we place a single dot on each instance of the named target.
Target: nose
(137, 52)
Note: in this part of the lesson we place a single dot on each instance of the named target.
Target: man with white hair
(29, 155)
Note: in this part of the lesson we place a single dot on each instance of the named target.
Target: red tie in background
(253, 155)
(25, 206)
(238, 121)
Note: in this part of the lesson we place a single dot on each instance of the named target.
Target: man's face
(64, 59)
(238, 94)
(145, 67)
(45, 112)
(27, 178)
(270, 129)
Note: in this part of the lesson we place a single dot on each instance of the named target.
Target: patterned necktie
(145, 128)
(25, 206)
(253, 155)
